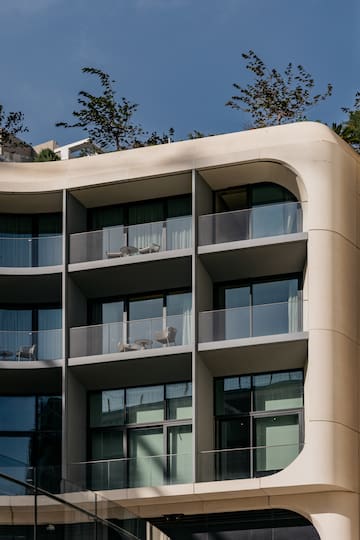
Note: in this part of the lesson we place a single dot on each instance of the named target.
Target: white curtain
(180, 317)
(293, 307)
(144, 235)
(178, 233)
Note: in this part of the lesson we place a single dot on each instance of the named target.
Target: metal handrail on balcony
(255, 222)
(46, 497)
(23, 346)
(130, 336)
(246, 462)
(141, 471)
(129, 240)
(30, 252)
(250, 321)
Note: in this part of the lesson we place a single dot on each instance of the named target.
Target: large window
(30, 240)
(258, 308)
(251, 211)
(30, 436)
(30, 332)
(129, 224)
(259, 422)
(140, 436)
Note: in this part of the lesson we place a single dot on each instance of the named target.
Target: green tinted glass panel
(179, 401)
(278, 438)
(106, 445)
(147, 463)
(275, 391)
(145, 404)
(107, 408)
(180, 454)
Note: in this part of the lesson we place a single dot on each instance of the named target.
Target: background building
(179, 331)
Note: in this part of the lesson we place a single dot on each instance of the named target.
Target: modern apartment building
(179, 333)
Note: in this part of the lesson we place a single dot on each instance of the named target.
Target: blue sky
(176, 58)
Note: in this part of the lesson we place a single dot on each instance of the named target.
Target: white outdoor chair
(26, 353)
(152, 248)
(166, 336)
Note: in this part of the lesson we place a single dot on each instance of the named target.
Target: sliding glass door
(277, 439)
(179, 470)
(146, 453)
(258, 309)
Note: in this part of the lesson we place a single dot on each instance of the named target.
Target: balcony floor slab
(285, 254)
(255, 354)
(134, 368)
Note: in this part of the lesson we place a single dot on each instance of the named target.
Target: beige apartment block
(179, 336)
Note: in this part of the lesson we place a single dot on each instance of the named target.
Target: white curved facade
(323, 174)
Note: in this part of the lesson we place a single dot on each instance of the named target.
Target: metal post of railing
(29, 246)
(35, 504)
(251, 314)
(163, 237)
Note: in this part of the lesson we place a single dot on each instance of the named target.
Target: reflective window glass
(234, 434)
(107, 408)
(16, 452)
(106, 444)
(17, 413)
(274, 391)
(145, 309)
(233, 395)
(277, 440)
(145, 404)
(180, 454)
(274, 291)
(179, 401)
(49, 413)
(112, 312)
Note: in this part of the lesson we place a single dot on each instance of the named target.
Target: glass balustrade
(250, 321)
(60, 509)
(25, 346)
(239, 463)
(256, 222)
(30, 252)
(130, 336)
(124, 241)
(142, 471)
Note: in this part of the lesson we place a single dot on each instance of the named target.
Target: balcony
(240, 463)
(24, 346)
(256, 222)
(131, 336)
(250, 321)
(263, 240)
(122, 242)
(144, 471)
(31, 252)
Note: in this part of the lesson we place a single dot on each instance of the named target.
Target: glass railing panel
(240, 463)
(96, 339)
(25, 346)
(131, 336)
(179, 233)
(143, 471)
(68, 511)
(250, 321)
(30, 252)
(96, 245)
(256, 222)
(125, 241)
